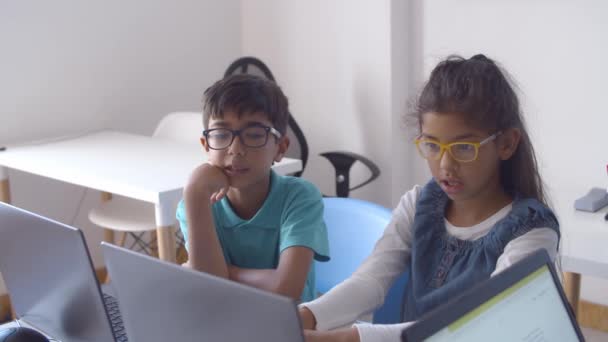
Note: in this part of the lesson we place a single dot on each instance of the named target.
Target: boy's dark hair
(246, 94)
(479, 90)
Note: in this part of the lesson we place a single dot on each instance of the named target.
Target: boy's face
(247, 168)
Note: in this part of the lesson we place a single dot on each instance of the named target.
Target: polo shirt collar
(264, 216)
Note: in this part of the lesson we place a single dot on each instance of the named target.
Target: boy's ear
(283, 146)
(204, 143)
(508, 142)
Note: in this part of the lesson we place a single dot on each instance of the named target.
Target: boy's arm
(287, 279)
(206, 185)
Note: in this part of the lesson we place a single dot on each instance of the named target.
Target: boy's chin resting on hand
(207, 182)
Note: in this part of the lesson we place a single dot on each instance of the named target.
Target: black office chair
(342, 161)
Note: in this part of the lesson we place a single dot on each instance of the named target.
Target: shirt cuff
(321, 317)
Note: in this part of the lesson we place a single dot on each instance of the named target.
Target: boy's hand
(207, 185)
(208, 181)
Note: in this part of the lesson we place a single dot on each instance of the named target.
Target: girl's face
(463, 180)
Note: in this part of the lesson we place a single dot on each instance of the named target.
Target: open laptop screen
(530, 310)
(523, 303)
(49, 274)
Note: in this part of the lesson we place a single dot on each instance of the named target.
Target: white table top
(584, 246)
(141, 167)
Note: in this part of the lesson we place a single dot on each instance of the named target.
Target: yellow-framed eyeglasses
(460, 151)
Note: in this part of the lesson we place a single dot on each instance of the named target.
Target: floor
(595, 335)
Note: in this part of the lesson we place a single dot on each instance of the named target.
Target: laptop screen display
(531, 310)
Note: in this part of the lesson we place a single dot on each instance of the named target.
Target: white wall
(334, 60)
(557, 53)
(70, 66)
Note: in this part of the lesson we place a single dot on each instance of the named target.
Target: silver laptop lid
(163, 302)
(49, 275)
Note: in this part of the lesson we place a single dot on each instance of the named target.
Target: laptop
(525, 302)
(51, 281)
(160, 302)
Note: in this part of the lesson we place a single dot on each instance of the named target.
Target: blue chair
(353, 227)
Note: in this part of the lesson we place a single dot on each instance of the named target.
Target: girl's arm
(364, 291)
(524, 245)
(340, 335)
(287, 279)
(359, 333)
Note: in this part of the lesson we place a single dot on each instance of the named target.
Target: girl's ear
(204, 143)
(283, 146)
(508, 142)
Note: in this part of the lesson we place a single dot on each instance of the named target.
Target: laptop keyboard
(120, 335)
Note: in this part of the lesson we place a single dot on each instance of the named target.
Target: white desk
(141, 167)
(584, 246)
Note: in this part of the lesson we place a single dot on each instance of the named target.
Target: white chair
(136, 218)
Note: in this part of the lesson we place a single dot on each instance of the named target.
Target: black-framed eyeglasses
(251, 136)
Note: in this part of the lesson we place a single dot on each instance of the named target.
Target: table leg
(108, 234)
(572, 287)
(165, 239)
(5, 193)
(5, 196)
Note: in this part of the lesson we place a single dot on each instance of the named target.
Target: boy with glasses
(240, 219)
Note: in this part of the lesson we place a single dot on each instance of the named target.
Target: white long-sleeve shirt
(364, 291)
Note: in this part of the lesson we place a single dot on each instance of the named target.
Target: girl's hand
(340, 335)
(307, 318)
(313, 336)
(233, 272)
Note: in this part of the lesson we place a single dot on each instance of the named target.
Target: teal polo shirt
(292, 215)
